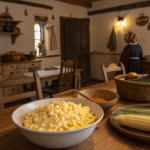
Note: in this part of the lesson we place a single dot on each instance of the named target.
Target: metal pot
(7, 28)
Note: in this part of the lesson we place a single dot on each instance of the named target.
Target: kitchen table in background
(50, 75)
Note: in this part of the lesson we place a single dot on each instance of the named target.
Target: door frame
(62, 20)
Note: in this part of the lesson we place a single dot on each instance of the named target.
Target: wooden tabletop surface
(104, 137)
(106, 85)
(49, 73)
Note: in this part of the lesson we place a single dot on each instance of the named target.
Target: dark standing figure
(132, 54)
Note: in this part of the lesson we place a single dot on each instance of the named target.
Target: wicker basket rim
(131, 82)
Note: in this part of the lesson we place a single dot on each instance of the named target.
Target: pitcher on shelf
(132, 54)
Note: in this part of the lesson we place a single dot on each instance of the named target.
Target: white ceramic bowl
(56, 140)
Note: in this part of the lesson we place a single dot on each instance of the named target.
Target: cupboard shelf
(8, 20)
(11, 33)
(13, 23)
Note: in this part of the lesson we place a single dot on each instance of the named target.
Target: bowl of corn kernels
(57, 123)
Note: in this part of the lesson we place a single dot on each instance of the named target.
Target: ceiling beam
(93, 0)
(120, 8)
(28, 3)
(82, 3)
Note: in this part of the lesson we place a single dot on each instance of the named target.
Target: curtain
(51, 41)
(42, 21)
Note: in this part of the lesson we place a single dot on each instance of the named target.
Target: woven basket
(11, 58)
(134, 91)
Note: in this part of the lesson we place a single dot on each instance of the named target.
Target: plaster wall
(25, 43)
(102, 25)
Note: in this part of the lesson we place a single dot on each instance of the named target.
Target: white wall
(96, 70)
(102, 24)
(25, 43)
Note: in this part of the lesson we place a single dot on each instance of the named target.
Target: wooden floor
(93, 82)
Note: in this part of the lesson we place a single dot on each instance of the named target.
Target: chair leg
(1, 105)
(50, 95)
(1, 100)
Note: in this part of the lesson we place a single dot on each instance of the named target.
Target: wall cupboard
(15, 32)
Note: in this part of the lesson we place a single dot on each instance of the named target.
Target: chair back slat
(67, 75)
(112, 68)
(64, 76)
(123, 68)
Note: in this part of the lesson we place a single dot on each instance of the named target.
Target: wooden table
(50, 75)
(104, 137)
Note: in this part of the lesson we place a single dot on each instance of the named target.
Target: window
(38, 38)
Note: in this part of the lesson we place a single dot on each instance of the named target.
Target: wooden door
(76, 45)
(72, 39)
(85, 49)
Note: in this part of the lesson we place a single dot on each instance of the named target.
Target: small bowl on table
(110, 96)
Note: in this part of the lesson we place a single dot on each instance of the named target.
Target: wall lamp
(120, 22)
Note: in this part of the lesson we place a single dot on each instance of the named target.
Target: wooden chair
(112, 68)
(19, 79)
(66, 78)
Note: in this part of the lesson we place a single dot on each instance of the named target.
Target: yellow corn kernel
(60, 129)
(59, 116)
(36, 119)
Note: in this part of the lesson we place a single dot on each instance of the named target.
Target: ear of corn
(134, 121)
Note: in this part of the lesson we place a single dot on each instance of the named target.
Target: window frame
(36, 40)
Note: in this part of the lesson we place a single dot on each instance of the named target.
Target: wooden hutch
(7, 69)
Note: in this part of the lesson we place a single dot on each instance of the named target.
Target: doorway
(75, 43)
